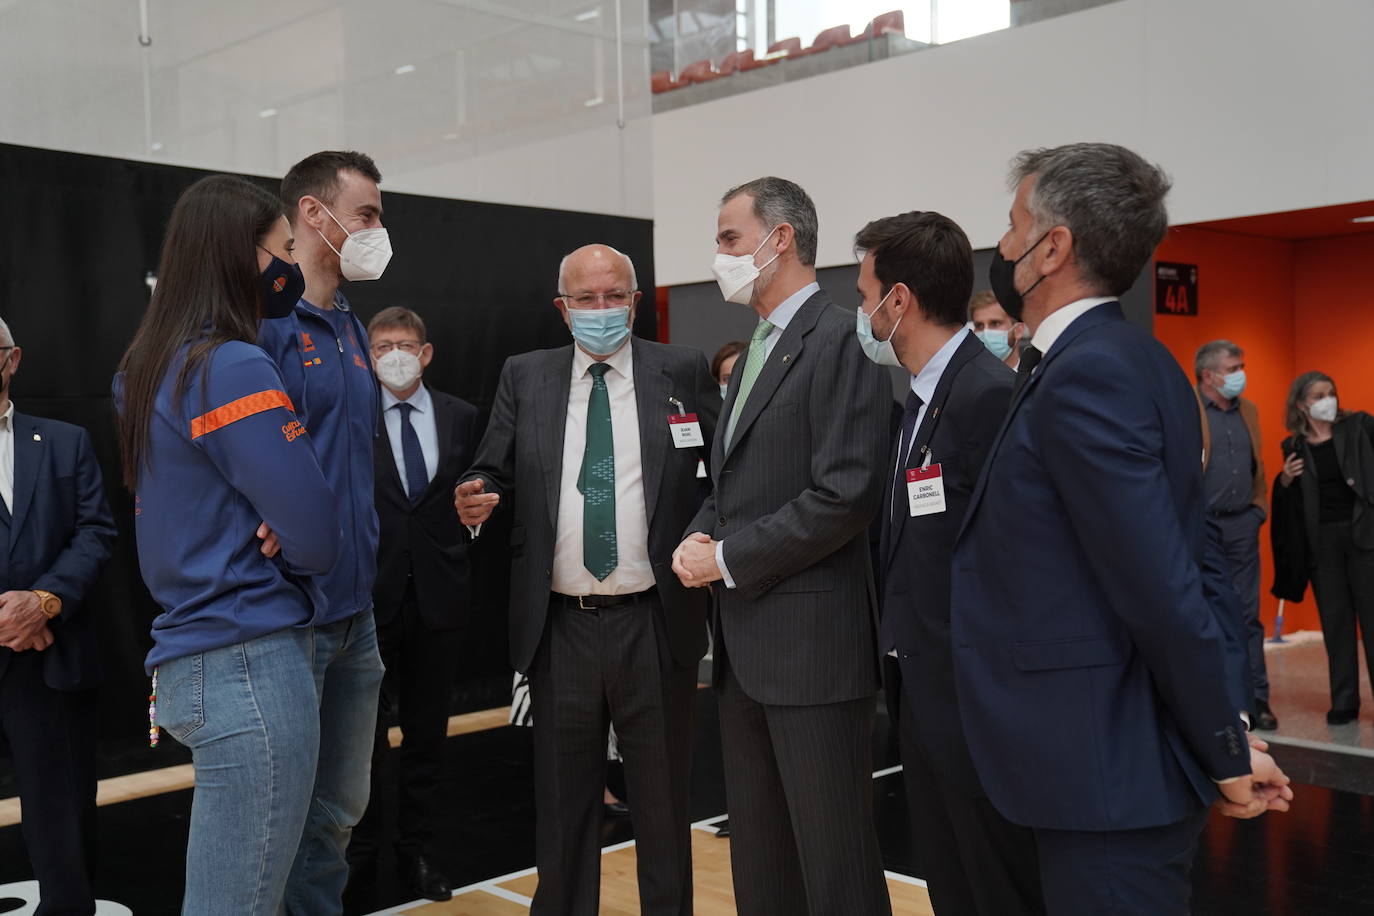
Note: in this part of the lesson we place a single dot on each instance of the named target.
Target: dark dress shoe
(1341, 716)
(616, 809)
(422, 877)
(1263, 719)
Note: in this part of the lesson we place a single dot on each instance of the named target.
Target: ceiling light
(588, 15)
(404, 69)
(268, 113)
(156, 147)
(1363, 219)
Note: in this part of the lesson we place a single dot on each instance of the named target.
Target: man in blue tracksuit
(335, 211)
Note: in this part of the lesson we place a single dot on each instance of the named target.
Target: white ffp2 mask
(365, 253)
(736, 274)
(398, 369)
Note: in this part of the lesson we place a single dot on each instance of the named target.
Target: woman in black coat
(1323, 528)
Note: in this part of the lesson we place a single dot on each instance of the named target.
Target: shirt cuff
(720, 564)
(1222, 782)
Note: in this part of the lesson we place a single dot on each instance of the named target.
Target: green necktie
(596, 483)
(753, 365)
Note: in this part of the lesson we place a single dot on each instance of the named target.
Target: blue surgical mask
(600, 331)
(724, 390)
(1232, 384)
(880, 351)
(998, 342)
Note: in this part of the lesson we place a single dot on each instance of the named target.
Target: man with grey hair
(55, 535)
(1094, 673)
(799, 469)
(1237, 496)
(597, 445)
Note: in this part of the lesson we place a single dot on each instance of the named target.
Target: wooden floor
(511, 895)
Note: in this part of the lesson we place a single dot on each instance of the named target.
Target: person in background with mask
(995, 328)
(914, 280)
(1323, 528)
(1237, 494)
(799, 469)
(421, 600)
(596, 443)
(214, 451)
(321, 349)
(723, 363)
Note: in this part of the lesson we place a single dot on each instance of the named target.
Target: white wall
(1253, 106)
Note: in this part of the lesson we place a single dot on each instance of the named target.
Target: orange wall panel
(1334, 306)
(1246, 294)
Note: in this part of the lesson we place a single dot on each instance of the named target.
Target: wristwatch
(48, 603)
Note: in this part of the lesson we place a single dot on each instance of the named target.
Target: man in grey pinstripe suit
(798, 463)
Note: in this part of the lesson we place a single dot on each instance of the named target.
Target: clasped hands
(22, 623)
(1266, 789)
(694, 561)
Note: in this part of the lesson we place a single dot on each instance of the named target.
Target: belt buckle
(584, 606)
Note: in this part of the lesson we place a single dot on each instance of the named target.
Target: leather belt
(597, 602)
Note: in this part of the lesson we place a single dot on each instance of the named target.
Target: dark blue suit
(1092, 671)
(56, 538)
(975, 861)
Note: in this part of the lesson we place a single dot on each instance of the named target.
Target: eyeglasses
(616, 298)
(383, 347)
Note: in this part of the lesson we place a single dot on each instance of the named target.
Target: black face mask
(283, 285)
(1002, 279)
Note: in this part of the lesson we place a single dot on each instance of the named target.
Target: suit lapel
(443, 427)
(1108, 311)
(776, 367)
(551, 421)
(966, 351)
(652, 390)
(28, 454)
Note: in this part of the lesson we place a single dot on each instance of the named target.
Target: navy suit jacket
(1091, 667)
(56, 538)
(959, 426)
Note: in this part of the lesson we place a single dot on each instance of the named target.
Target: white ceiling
(254, 85)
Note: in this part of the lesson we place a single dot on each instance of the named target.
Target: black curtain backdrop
(82, 235)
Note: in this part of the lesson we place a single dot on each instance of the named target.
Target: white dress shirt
(779, 318)
(1058, 321)
(426, 430)
(7, 456)
(632, 573)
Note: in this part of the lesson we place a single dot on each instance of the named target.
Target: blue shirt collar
(925, 381)
(783, 314)
(420, 400)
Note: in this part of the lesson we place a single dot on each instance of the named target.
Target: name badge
(925, 490)
(686, 431)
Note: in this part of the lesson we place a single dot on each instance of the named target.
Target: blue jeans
(347, 676)
(246, 713)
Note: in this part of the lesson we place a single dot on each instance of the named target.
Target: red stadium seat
(703, 71)
(662, 81)
(833, 37)
(788, 46)
(737, 60)
(888, 23)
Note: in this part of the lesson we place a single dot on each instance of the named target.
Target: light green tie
(753, 365)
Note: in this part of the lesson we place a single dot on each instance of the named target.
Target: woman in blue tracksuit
(234, 521)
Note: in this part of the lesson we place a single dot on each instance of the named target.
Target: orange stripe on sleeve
(237, 410)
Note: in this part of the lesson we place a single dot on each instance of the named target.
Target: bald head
(596, 268)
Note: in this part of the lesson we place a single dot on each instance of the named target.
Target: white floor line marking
(504, 894)
(904, 879)
(1318, 745)
(888, 772)
(710, 822)
(479, 885)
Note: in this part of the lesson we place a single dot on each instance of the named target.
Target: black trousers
(1146, 872)
(799, 784)
(419, 671)
(51, 734)
(977, 863)
(594, 668)
(1343, 582)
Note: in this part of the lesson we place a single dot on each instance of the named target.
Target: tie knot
(913, 402)
(598, 370)
(1030, 357)
(405, 408)
(762, 331)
